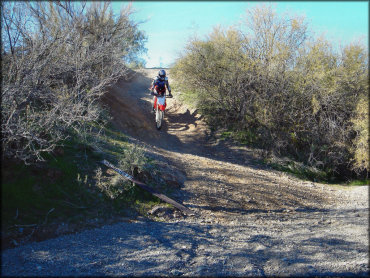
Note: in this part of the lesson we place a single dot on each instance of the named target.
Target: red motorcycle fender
(160, 107)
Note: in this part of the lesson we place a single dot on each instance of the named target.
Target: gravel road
(250, 220)
(327, 242)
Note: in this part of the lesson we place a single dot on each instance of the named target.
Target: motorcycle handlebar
(155, 94)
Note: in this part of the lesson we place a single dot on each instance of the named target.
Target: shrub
(360, 147)
(58, 59)
(294, 93)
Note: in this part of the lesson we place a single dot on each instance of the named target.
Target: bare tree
(69, 53)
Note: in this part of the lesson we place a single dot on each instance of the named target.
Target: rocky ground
(248, 220)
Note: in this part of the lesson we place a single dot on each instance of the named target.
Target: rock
(110, 172)
(171, 180)
(173, 184)
(143, 176)
(177, 214)
(141, 219)
(162, 211)
(176, 272)
(201, 269)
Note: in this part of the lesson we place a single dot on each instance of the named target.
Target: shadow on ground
(152, 248)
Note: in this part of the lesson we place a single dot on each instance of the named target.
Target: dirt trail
(224, 185)
(130, 106)
(220, 179)
(251, 220)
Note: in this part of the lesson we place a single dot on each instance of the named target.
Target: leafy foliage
(294, 93)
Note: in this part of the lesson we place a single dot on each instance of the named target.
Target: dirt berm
(250, 220)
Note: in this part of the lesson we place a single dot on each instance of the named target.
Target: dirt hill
(250, 220)
(219, 177)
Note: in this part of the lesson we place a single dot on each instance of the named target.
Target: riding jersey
(160, 85)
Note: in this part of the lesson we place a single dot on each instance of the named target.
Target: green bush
(271, 82)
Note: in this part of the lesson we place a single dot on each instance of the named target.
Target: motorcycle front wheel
(158, 118)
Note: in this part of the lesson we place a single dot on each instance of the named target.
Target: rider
(160, 83)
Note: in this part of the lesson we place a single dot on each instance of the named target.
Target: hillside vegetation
(58, 59)
(271, 84)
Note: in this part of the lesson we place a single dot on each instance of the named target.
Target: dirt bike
(160, 107)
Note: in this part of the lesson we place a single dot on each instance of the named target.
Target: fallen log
(149, 189)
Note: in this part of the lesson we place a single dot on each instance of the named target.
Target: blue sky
(169, 24)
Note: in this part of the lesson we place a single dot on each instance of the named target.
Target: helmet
(162, 74)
